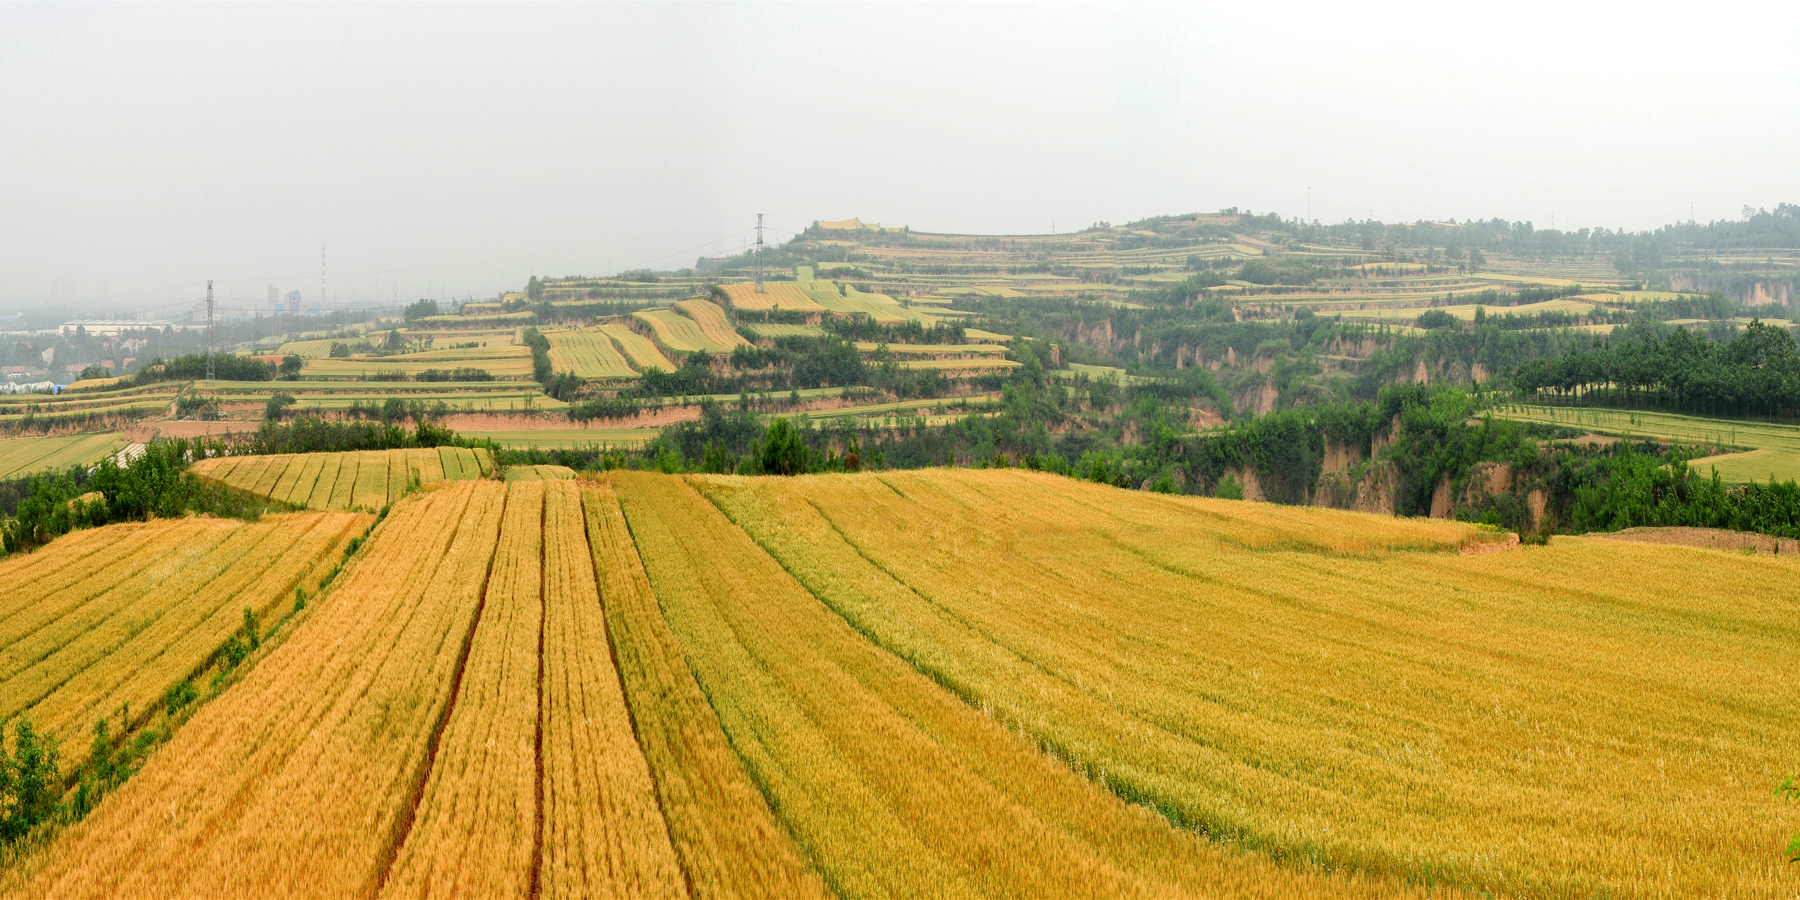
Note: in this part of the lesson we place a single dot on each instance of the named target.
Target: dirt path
(1714, 538)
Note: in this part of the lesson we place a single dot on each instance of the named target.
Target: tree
(534, 289)
(290, 366)
(420, 309)
(278, 406)
(784, 450)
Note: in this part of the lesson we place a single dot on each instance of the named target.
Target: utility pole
(210, 379)
(321, 278)
(759, 246)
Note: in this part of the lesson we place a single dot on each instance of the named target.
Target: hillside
(971, 683)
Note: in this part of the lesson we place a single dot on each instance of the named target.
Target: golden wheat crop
(713, 323)
(641, 350)
(474, 831)
(165, 612)
(298, 780)
(320, 498)
(370, 490)
(894, 786)
(1524, 722)
(729, 842)
(775, 294)
(589, 354)
(343, 491)
(365, 480)
(603, 833)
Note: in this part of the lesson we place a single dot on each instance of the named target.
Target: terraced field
(971, 683)
(775, 295)
(24, 456)
(713, 322)
(588, 354)
(364, 479)
(1748, 451)
(681, 334)
(642, 351)
(512, 365)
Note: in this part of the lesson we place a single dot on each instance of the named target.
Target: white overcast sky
(458, 149)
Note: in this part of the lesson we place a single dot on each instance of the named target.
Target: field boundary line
(437, 730)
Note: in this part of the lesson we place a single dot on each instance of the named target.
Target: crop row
(892, 785)
(1328, 687)
(364, 479)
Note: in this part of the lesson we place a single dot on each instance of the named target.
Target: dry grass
(603, 834)
(297, 780)
(892, 785)
(728, 841)
(1325, 687)
(475, 829)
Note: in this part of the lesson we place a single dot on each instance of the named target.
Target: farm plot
(297, 780)
(310, 349)
(1774, 448)
(880, 307)
(23, 456)
(713, 323)
(110, 619)
(642, 351)
(935, 349)
(892, 785)
(775, 295)
(365, 479)
(588, 354)
(362, 367)
(1345, 690)
(677, 332)
(984, 362)
(777, 330)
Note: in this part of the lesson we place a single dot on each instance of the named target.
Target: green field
(567, 438)
(776, 330)
(1771, 449)
(23, 456)
(511, 367)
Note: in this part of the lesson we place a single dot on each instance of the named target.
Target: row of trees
(1648, 365)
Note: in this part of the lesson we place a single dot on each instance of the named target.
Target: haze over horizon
(456, 150)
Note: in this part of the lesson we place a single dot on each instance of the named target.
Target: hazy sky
(460, 149)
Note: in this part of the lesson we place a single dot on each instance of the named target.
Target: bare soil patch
(1713, 538)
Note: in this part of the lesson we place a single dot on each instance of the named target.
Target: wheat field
(362, 479)
(942, 682)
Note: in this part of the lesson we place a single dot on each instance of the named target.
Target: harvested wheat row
(604, 835)
(729, 842)
(298, 780)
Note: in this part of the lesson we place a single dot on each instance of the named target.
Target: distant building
(274, 301)
(294, 299)
(110, 327)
